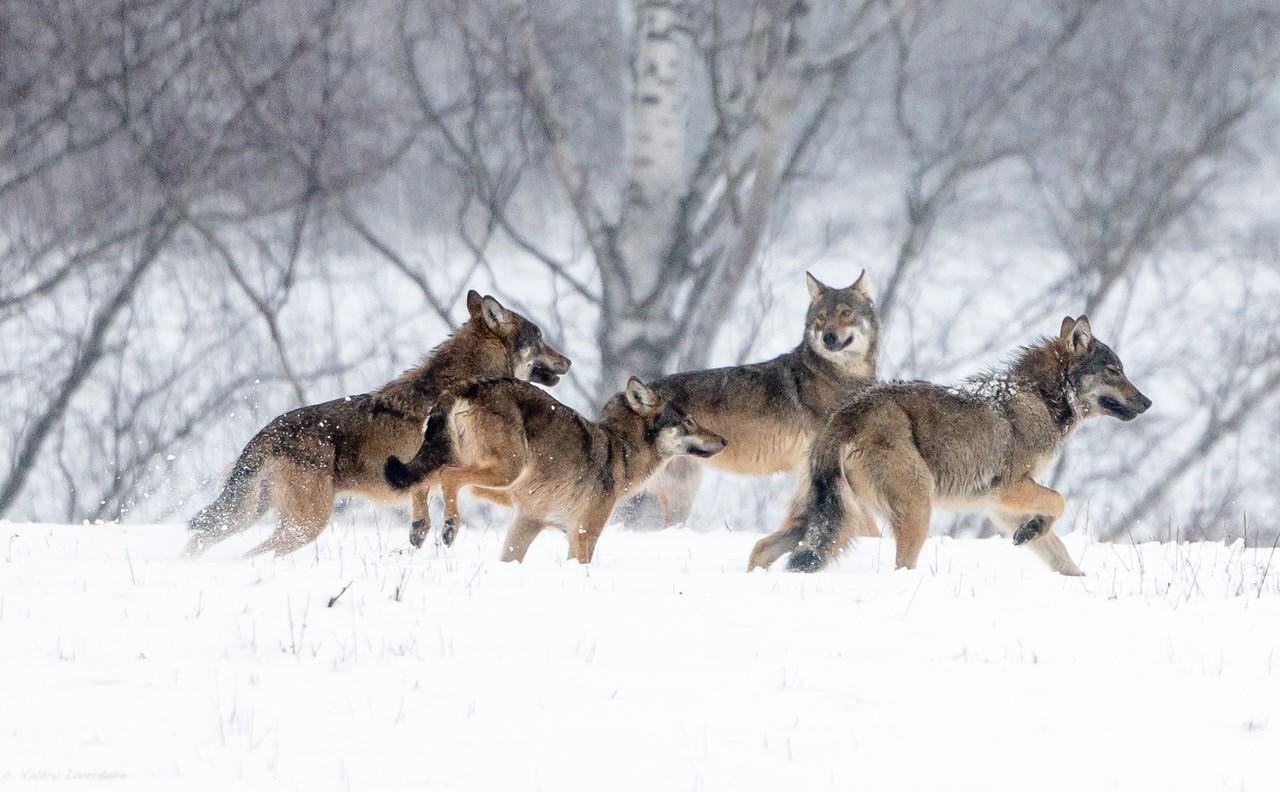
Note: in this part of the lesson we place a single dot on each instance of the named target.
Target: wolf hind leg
(900, 482)
(496, 475)
(775, 545)
(304, 499)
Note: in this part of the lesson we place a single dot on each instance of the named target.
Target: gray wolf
(898, 450)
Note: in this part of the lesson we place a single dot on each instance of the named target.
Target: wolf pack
(471, 417)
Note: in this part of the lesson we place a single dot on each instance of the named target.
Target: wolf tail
(242, 501)
(435, 452)
(821, 512)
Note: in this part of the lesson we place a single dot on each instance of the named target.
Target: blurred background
(213, 212)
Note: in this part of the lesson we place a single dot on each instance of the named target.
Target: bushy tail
(241, 501)
(435, 452)
(822, 509)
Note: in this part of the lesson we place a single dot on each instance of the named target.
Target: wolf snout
(832, 341)
(708, 447)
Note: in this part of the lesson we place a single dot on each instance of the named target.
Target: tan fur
(900, 450)
(301, 460)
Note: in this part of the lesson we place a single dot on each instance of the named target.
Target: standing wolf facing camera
(769, 412)
(900, 449)
(301, 460)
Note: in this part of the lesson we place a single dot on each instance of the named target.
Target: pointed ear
(816, 287)
(498, 319)
(863, 285)
(1081, 335)
(1068, 324)
(473, 302)
(640, 398)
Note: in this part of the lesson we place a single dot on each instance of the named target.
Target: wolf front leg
(1028, 511)
(584, 534)
(524, 529)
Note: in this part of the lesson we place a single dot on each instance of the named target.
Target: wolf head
(533, 359)
(671, 430)
(1096, 374)
(842, 326)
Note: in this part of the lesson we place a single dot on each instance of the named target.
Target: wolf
(901, 449)
(770, 412)
(302, 459)
(516, 443)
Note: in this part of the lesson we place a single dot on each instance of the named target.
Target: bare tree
(673, 236)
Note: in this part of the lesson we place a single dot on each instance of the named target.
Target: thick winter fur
(302, 459)
(899, 450)
(769, 412)
(516, 443)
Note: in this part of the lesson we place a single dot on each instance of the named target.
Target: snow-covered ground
(662, 667)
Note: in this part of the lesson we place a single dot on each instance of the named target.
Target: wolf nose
(1143, 403)
(829, 338)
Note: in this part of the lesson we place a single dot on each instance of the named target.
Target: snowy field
(662, 667)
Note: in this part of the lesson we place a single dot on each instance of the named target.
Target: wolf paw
(418, 532)
(1029, 530)
(449, 532)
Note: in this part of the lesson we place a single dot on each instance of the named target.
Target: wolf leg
(584, 535)
(1050, 549)
(421, 517)
(1040, 506)
(304, 498)
(910, 530)
(524, 529)
(496, 476)
(775, 545)
(1030, 510)
(676, 486)
(1046, 545)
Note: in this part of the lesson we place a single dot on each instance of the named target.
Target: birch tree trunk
(648, 244)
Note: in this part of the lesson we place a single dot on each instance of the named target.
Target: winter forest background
(212, 212)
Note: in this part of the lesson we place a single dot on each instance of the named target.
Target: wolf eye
(822, 316)
(847, 313)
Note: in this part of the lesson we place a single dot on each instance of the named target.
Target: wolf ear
(816, 287)
(640, 398)
(473, 302)
(498, 319)
(1076, 333)
(862, 285)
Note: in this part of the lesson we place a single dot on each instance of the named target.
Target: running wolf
(302, 459)
(516, 443)
(900, 449)
(769, 412)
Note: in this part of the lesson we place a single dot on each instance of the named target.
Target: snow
(661, 667)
